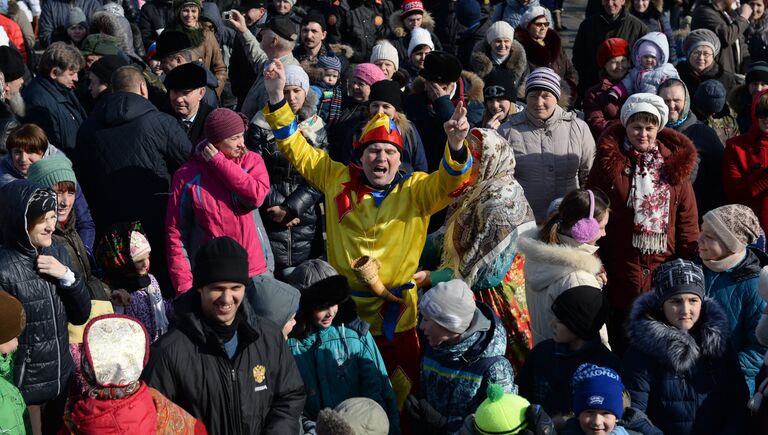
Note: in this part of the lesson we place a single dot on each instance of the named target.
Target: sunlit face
(95, 86)
(710, 247)
(186, 102)
(288, 327)
(617, 68)
(13, 87)
(41, 230)
(380, 161)
(233, 146)
(330, 77)
(324, 318)
(701, 58)
(435, 333)
(219, 301)
(282, 7)
(757, 87)
(537, 28)
(295, 97)
(597, 421)
(613, 7)
(312, 35)
(498, 105)
(640, 5)
(387, 66)
(642, 135)
(411, 21)
(603, 222)
(142, 264)
(360, 90)
(22, 160)
(382, 107)
(674, 98)
(561, 333)
(682, 310)
(418, 55)
(541, 104)
(65, 194)
(76, 33)
(10, 346)
(758, 9)
(189, 15)
(501, 47)
(648, 61)
(67, 78)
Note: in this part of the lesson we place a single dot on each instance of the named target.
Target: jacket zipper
(27, 358)
(236, 398)
(58, 348)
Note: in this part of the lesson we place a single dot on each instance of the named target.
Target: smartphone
(227, 15)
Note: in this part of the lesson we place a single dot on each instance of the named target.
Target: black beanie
(41, 202)
(11, 63)
(582, 309)
(220, 260)
(388, 92)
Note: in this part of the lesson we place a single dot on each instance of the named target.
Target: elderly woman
(291, 211)
(702, 47)
(543, 47)
(645, 170)
(599, 109)
(501, 52)
(554, 148)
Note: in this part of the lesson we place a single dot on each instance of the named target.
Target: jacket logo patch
(596, 400)
(259, 372)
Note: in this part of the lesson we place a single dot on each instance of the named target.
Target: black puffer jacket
(291, 246)
(154, 15)
(43, 362)
(259, 391)
(359, 23)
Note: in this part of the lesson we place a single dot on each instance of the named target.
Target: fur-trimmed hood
(398, 28)
(652, 335)
(342, 49)
(545, 263)
(473, 91)
(678, 151)
(481, 62)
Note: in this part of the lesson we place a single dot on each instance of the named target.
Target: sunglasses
(540, 24)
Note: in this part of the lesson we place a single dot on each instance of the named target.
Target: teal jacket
(341, 362)
(736, 291)
(14, 419)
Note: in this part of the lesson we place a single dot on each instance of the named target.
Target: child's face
(324, 318)
(597, 422)
(330, 77)
(9, 347)
(142, 265)
(710, 247)
(561, 333)
(648, 61)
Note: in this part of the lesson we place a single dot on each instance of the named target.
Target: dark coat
(728, 27)
(43, 362)
(359, 23)
(56, 110)
(66, 235)
(54, 16)
(154, 15)
(342, 131)
(468, 38)
(629, 271)
(8, 122)
(195, 132)
(516, 64)
(258, 391)
(450, 31)
(687, 383)
(692, 79)
(599, 109)
(551, 55)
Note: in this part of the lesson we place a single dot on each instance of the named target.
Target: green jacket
(14, 418)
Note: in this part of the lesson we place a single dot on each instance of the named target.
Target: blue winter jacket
(687, 383)
(736, 291)
(455, 377)
(56, 110)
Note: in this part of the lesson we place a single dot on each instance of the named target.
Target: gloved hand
(424, 418)
(539, 422)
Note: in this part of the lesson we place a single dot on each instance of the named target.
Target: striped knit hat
(329, 62)
(543, 79)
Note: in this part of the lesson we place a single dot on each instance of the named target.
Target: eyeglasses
(703, 54)
(544, 24)
(494, 91)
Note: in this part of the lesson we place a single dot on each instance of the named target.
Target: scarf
(686, 107)
(157, 307)
(726, 263)
(649, 198)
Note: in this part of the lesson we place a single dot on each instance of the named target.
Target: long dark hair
(574, 206)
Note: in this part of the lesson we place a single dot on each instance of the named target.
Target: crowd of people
(358, 217)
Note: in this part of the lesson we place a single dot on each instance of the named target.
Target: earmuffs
(587, 229)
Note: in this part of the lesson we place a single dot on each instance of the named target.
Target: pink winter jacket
(213, 199)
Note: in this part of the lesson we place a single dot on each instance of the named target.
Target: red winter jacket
(629, 271)
(599, 111)
(745, 168)
(14, 34)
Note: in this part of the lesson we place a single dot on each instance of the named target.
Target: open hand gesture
(274, 80)
(457, 127)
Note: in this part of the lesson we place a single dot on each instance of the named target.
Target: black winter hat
(41, 202)
(314, 17)
(104, 67)
(757, 72)
(499, 84)
(11, 63)
(676, 277)
(282, 26)
(441, 67)
(582, 309)
(170, 42)
(220, 260)
(187, 76)
(387, 91)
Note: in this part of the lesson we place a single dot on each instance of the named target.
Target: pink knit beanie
(369, 73)
(223, 123)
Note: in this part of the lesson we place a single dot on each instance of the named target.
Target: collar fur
(482, 64)
(540, 55)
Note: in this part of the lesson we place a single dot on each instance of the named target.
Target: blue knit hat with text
(596, 387)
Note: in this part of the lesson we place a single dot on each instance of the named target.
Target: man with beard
(11, 103)
(312, 44)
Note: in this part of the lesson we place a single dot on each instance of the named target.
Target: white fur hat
(531, 14)
(648, 103)
(420, 36)
(385, 50)
(500, 30)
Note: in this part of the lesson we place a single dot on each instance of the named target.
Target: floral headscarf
(114, 255)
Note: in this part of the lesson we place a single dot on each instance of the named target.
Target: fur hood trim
(104, 22)
(672, 347)
(398, 28)
(482, 64)
(537, 54)
(315, 74)
(472, 81)
(342, 49)
(678, 151)
(330, 421)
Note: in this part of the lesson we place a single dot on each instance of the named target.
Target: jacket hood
(484, 338)
(678, 151)
(122, 107)
(547, 263)
(473, 91)
(482, 64)
(398, 28)
(15, 197)
(652, 335)
(659, 40)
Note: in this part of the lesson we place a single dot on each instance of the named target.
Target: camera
(227, 15)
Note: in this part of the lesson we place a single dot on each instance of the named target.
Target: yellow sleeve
(432, 193)
(315, 165)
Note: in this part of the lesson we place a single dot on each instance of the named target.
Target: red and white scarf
(649, 198)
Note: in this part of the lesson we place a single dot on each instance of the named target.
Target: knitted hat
(676, 277)
(543, 79)
(648, 48)
(314, 17)
(420, 37)
(648, 103)
(700, 37)
(220, 260)
(12, 317)
(104, 67)
(610, 48)
(386, 51)
(387, 91)
(735, 225)
(181, 3)
(115, 350)
(76, 17)
(310, 272)
(441, 67)
(329, 62)
(296, 76)
(500, 30)
(531, 14)
(11, 63)
(41, 202)
(709, 97)
(139, 245)
(467, 12)
(411, 7)
(596, 387)
(355, 416)
(499, 84)
(757, 72)
(449, 304)
(501, 413)
(185, 77)
(222, 123)
(368, 73)
(379, 129)
(52, 170)
(582, 309)
(100, 44)
(172, 41)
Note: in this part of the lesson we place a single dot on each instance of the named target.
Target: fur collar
(546, 263)
(398, 28)
(537, 54)
(670, 346)
(473, 86)
(343, 49)
(482, 64)
(678, 151)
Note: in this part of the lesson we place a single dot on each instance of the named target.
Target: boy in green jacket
(14, 419)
